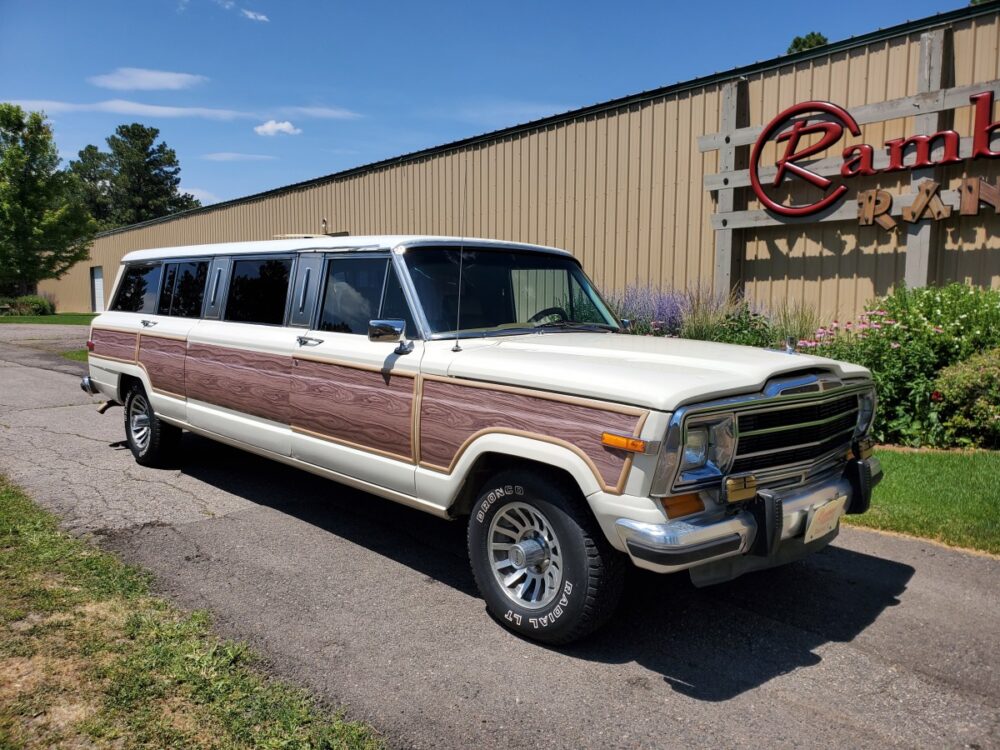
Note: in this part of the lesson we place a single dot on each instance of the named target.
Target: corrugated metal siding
(840, 266)
(623, 190)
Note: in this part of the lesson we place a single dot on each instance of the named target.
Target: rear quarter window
(139, 288)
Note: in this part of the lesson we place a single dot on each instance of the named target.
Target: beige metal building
(654, 188)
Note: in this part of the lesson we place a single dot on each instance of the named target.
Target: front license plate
(825, 518)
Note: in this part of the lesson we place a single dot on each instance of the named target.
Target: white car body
(651, 385)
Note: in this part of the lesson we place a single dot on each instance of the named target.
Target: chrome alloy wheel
(138, 421)
(525, 555)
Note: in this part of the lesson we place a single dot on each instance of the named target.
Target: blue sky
(255, 94)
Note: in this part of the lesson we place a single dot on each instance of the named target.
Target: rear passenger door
(162, 337)
(239, 357)
(352, 400)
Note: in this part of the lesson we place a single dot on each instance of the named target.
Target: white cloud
(233, 156)
(254, 16)
(139, 109)
(226, 4)
(124, 107)
(273, 127)
(143, 79)
(324, 113)
(203, 195)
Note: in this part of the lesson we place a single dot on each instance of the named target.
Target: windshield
(505, 291)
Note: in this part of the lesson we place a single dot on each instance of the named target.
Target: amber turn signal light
(623, 443)
(682, 505)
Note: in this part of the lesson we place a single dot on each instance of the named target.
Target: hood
(651, 372)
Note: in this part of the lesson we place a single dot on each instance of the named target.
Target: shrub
(6, 305)
(651, 310)
(737, 324)
(797, 321)
(905, 340)
(967, 395)
(704, 314)
(33, 304)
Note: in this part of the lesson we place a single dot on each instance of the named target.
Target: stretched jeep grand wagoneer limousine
(489, 381)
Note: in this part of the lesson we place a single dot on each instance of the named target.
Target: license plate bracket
(825, 518)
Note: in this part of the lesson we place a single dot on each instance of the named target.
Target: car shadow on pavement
(710, 644)
(714, 643)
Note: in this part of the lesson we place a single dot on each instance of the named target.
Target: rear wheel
(152, 441)
(539, 559)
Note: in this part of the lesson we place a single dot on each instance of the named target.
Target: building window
(258, 291)
(139, 288)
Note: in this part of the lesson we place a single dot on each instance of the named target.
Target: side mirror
(390, 332)
(386, 331)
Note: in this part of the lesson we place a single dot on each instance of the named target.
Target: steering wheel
(547, 312)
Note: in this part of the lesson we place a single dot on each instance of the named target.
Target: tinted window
(167, 288)
(353, 294)
(183, 289)
(139, 287)
(258, 290)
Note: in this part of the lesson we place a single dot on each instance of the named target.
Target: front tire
(152, 441)
(539, 559)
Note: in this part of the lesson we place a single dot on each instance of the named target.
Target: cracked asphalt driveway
(877, 641)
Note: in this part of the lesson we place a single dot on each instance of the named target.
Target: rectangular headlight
(702, 449)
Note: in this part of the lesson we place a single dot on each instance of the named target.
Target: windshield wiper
(576, 326)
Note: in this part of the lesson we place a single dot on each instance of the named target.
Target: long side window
(139, 288)
(258, 291)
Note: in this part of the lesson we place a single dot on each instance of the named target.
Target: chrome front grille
(772, 438)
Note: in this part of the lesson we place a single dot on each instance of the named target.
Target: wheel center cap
(526, 553)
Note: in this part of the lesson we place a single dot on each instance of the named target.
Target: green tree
(810, 40)
(93, 173)
(44, 226)
(136, 180)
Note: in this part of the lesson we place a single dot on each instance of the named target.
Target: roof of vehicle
(323, 243)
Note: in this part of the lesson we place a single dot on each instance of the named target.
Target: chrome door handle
(148, 323)
(308, 341)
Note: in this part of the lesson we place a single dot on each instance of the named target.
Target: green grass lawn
(950, 496)
(89, 658)
(65, 319)
(77, 355)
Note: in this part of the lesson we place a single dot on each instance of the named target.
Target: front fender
(443, 488)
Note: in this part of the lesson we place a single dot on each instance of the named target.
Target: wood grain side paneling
(250, 382)
(369, 409)
(114, 344)
(163, 360)
(451, 414)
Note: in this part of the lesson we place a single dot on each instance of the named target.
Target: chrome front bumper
(679, 545)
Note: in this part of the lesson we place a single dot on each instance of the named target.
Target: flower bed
(906, 339)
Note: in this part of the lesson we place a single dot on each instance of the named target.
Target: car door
(352, 400)
(239, 356)
(114, 336)
(162, 337)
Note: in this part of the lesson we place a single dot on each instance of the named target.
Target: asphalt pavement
(878, 641)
